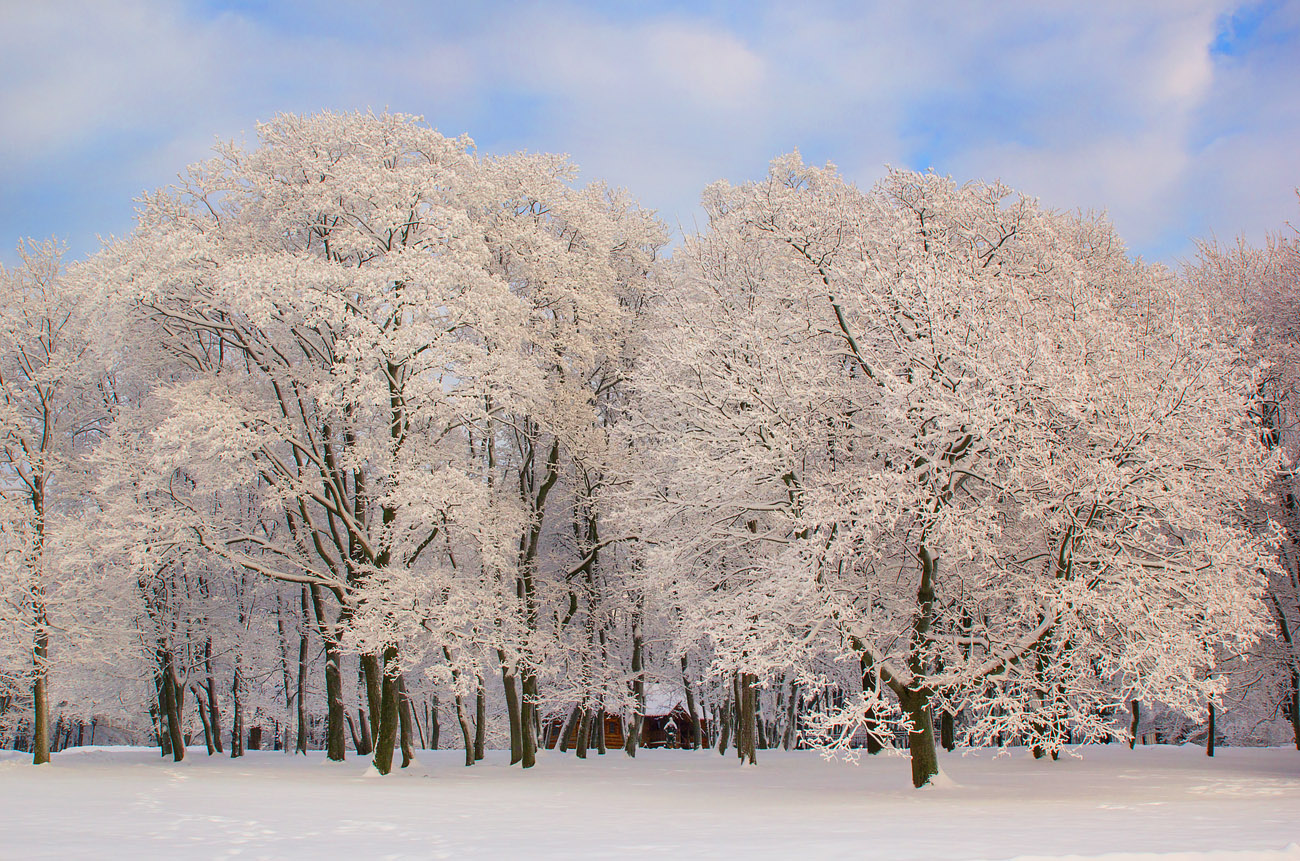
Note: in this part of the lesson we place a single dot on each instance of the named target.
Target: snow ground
(1120, 805)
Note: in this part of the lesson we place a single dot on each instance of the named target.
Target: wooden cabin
(666, 724)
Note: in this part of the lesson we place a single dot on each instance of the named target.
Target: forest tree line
(365, 441)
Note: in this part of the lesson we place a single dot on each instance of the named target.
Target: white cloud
(1113, 104)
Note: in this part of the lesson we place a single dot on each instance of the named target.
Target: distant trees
(363, 422)
(52, 407)
(1257, 291)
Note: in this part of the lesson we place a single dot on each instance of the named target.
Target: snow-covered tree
(368, 312)
(953, 439)
(1257, 292)
(52, 407)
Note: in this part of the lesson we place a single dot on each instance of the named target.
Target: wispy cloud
(1180, 118)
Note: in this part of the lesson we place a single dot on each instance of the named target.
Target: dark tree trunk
(584, 731)
(920, 737)
(372, 676)
(792, 715)
(389, 713)
(1136, 708)
(747, 716)
(724, 725)
(366, 745)
(480, 721)
(435, 725)
(510, 683)
(570, 728)
(1209, 736)
(203, 718)
(237, 713)
(528, 718)
(1295, 707)
(462, 714)
(695, 739)
(404, 722)
(301, 688)
(336, 715)
(466, 729)
(633, 739)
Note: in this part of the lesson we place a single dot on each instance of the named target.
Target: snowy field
(1153, 802)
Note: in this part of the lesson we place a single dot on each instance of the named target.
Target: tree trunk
(690, 708)
(389, 713)
(584, 730)
(1295, 706)
(528, 718)
(480, 721)
(336, 711)
(237, 713)
(920, 737)
(404, 722)
(435, 725)
(301, 691)
(366, 745)
(462, 715)
(791, 715)
(570, 728)
(510, 683)
(1209, 736)
(40, 692)
(466, 730)
(203, 718)
(372, 679)
(746, 731)
(1136, 708)
(724, 724)
(633, 739)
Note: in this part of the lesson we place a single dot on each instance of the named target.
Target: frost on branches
(1257, 291)
(954, 445)
(386, 349)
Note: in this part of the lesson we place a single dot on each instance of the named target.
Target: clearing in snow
(1166, 802)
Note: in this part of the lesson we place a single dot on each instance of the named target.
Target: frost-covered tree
(52, 406)
(961, 442)
(369, 314)
(1257, 291)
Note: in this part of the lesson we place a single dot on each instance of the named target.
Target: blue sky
(1181, 118)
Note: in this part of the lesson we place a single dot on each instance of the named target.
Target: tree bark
(203, 718)
(389, 713)
(584, 730)
(435, 725)
(466, 730)
(920, 737)
(690, 708)
(404, 721)
(1295, 707)
(40, 691)
(210, 683)
(237, 713)
(301, 688)
(528, 719)
(570, 728)
(724, 724)
(1136, 708)
(336, 711)
(746, 731)
(480, 721)
(510, 683)
(1209, 736)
